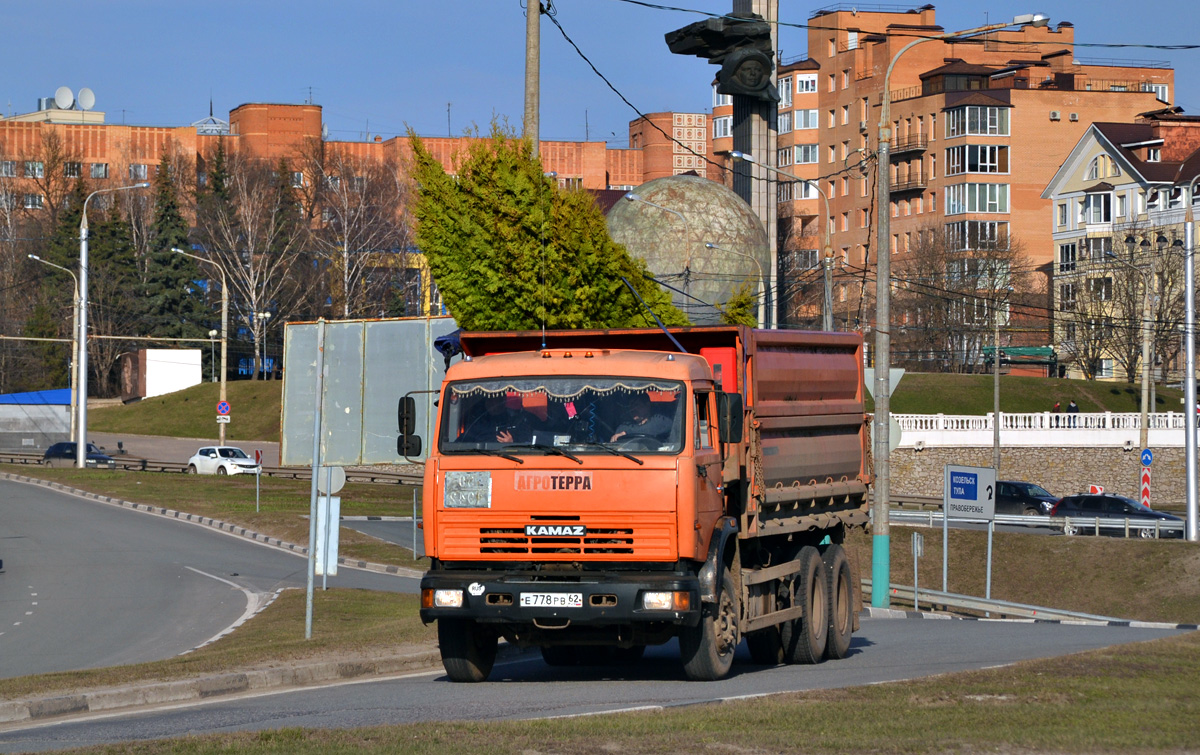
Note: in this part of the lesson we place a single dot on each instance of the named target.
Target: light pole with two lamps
(881, 433)
(224, 328)
(261, 347)
(81, 345)
(687, 229)
(762, 280)
(827, 311)
(74, 342)
(1146, 273)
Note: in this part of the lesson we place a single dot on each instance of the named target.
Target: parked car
(1023, 499)
(63, 455)
(222, 460)
(1110, 506)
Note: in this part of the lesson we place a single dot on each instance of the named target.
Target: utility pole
(533, 42)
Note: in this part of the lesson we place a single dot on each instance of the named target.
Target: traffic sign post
(969, 494)
(257, 475)
(1147, 460)
(223, 413)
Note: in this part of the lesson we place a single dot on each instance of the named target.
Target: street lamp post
(827, 263)
(81, 346)
(762, 280)
(687, 229)
(224, 329)
(881, 534)
(265, 318)
(212, 358)
(74, 342)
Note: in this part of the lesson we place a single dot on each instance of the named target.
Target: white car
(222, 460)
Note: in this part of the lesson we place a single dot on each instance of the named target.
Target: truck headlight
(679, 600)
(441, 598)
(467, 490)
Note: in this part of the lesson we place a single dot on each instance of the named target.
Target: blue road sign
(223, 408)
(1147, 457)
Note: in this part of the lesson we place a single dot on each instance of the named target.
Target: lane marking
(255, 602)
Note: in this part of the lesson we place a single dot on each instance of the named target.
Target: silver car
(222, 460)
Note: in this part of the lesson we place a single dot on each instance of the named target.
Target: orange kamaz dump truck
(594, 492)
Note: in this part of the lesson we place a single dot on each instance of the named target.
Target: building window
(845, 114)
(804, 259)
(8, 200)
(1099, 248)
(1066, 297)
(783, 157)
(846, 78)
(807, 154)
(783, 191)
(1122, 208)
(34, 169)
(976, 158)
(1097, 208)
(806, 119)
(976, 235)
(137, 172)
(806, 82)
(973, 120)
(785, 92)
(972, 197)
(723, 126)
(1160, 91)
(1100, 288)
(806, 190)
(1153, 154)
(832, 153)
(1062, 213)
(1066, 258)
(8, 169)
(99, 170)
(72, 169)
(721, 100)
(785, 123)
(297, 178)
(33, 201)
(832, 83)
(1093, 170)
(1106, 369)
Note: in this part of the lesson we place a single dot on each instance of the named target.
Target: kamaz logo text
(555, 530)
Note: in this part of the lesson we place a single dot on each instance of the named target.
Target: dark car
(63, 455)
(1109, 506)
(1023, 499)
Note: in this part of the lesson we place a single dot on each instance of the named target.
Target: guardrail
(982, 605)
(353, 474)
(1129, 526)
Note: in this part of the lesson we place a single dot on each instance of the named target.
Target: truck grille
(596, 541)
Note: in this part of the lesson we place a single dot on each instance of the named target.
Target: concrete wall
(1062, 471)
(33, 427)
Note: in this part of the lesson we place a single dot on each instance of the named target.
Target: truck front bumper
(550, 601)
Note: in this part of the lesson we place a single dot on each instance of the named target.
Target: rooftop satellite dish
(64, 98)
(87, 99)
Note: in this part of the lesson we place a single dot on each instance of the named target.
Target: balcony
(916, 183)
(909, 143)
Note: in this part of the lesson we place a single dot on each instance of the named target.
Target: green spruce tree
(173, 303)
(510, 250)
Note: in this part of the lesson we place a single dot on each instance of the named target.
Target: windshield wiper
(549, 449)
(609, 449)
(501, 454)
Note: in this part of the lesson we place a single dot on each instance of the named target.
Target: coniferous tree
(173, 303)
(113, 283)
(509, 250)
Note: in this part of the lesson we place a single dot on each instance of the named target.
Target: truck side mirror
(729, 417)
(409, 443)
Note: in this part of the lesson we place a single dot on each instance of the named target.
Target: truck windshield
(576, 414)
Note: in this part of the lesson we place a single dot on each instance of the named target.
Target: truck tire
(841, 602)
(468, 650)
(804, 638)
(707, 648)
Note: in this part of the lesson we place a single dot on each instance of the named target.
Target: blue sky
(380, 66)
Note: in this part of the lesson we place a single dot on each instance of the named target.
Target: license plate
(551, 600)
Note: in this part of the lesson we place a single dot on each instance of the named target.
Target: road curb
(216, 524)
(216, 685)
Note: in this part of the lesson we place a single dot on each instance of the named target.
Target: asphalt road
(395, 531)
(89, 584)
(884, 650)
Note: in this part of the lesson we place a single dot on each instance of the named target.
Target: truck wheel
(707, 648)
(766, 649)
(841, 602)
(561, 655)
(804, 638)
(468, 650)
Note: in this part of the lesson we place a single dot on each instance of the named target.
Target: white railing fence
(1049, 429)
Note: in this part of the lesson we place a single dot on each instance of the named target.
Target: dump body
(607, 488)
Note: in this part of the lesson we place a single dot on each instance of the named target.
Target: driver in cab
(643, 421)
